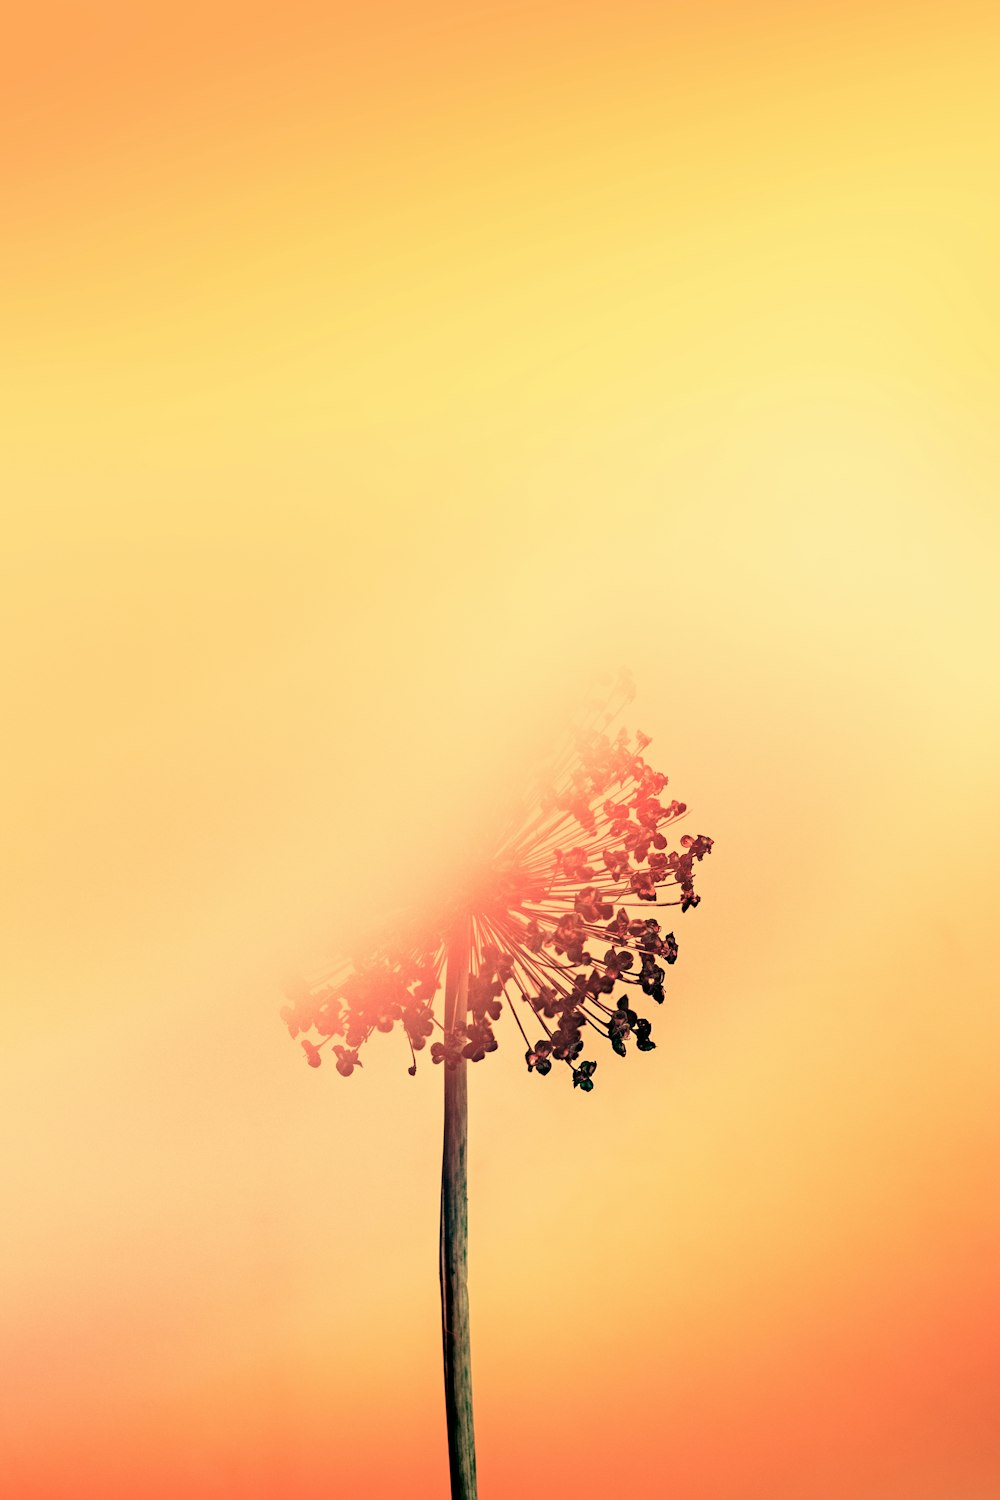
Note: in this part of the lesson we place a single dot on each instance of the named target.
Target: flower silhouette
(557, 929)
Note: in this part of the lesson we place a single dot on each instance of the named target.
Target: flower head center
(496, 887)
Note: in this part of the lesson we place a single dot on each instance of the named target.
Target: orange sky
(369, 376)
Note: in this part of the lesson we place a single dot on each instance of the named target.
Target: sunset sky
(371, 376)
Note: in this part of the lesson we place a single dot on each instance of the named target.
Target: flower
(347, 1060)
(557, 931)
(642, 1035)
(583, 1076)
(480, 1040)
(620, 1026)
(539, 1057)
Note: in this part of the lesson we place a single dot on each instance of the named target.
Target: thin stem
(455, 1231)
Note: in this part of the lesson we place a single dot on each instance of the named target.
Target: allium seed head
(554, 925)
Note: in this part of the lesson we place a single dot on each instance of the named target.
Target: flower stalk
(455, 1230)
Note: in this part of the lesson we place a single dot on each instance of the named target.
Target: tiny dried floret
(539, 1058)
(583, 1076)
(347, 1060)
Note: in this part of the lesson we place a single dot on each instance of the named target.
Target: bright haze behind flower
(557, 918)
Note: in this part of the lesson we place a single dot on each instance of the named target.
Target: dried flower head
(556, 927)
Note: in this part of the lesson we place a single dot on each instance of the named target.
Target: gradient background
(369, 374)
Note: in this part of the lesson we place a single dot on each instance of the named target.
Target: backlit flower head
(558, 927)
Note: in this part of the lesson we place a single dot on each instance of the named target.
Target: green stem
(455, 1233)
